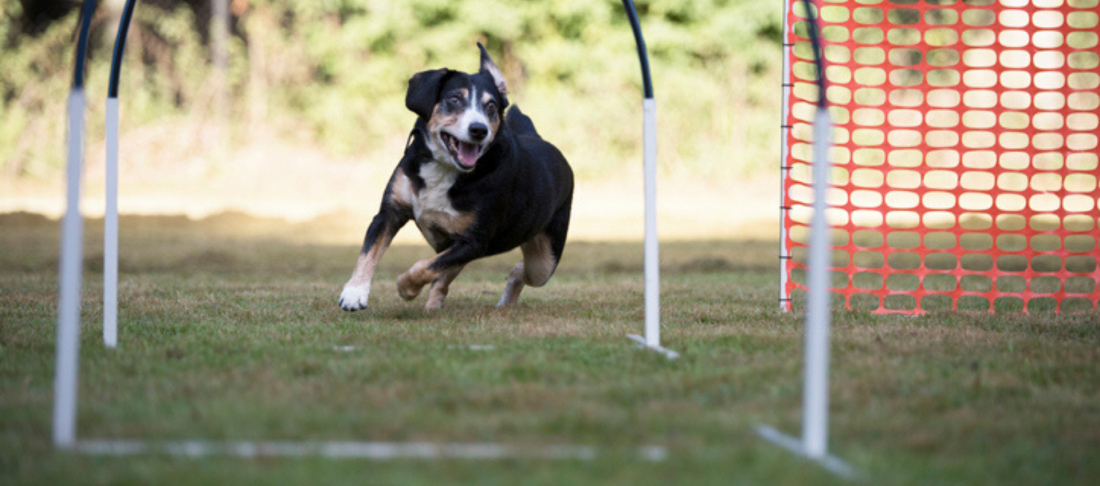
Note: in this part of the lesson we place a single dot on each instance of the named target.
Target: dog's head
(463, 112)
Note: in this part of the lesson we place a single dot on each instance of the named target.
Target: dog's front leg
(443, 266)
(378, 238)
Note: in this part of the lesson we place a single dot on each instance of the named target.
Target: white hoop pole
(652, 260)
(814, 443)
(110, 231)
(652, 338)
(72, 254)
(110, 219)
(815, 397)
(68, 320)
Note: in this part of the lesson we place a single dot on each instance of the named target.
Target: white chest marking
(435, 216)
(438, 179)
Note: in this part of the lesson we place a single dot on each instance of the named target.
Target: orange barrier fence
(965, 154)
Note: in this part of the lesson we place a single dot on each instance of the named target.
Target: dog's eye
(454, 100)
(490, 106)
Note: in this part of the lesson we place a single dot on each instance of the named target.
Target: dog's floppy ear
(490, 68)
(423, 90)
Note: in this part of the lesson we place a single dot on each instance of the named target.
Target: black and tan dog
(477, 181)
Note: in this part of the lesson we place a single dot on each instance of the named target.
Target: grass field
(232, 332)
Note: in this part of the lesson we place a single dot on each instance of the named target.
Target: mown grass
(234, 334)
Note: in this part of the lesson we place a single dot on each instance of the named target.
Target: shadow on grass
(235, 243)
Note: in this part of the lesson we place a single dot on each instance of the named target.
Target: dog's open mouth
(464, 153)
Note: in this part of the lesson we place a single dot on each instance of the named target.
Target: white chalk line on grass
(471, 347)
(349, 450)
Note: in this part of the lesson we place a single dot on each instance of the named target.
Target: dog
(478, 180)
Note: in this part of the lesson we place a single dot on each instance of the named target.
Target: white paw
(354, 297)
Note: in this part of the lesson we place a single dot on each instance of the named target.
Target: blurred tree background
(331, 74)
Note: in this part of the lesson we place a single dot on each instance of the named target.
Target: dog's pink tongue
(467, 154)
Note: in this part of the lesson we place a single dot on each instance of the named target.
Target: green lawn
(231, 332)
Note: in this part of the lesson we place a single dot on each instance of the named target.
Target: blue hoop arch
(128, 11)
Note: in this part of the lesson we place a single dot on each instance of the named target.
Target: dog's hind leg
(513, 287)
(440, 286)
(539, 262)
(541, 255)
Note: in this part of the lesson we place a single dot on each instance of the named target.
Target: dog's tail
(519, 123)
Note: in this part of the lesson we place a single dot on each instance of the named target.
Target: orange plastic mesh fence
(965, 152)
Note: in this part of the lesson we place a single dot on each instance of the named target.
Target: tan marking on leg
(538, 261)
(410, 283)
(367, 263)
(401, 191)
(357, 291)
(513, 287)
(440, 287)
(537, 267)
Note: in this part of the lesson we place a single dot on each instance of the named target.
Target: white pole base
(670, 354)
(379, 451)
(794, 445)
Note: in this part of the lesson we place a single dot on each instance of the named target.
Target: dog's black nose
(478, 131)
